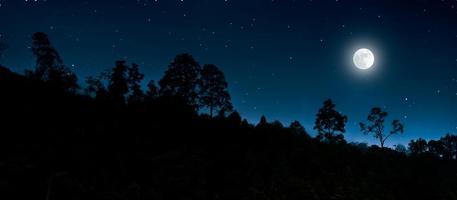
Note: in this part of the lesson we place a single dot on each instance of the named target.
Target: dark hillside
(60, 145)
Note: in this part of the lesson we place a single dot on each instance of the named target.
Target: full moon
(363, 59)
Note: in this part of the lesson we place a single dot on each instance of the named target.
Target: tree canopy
(49, 64)
(182, 79)
(376, 119)
(213, 92)
(330, 124)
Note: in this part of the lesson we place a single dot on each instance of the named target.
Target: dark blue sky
(282, 58)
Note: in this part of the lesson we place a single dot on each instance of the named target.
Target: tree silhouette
(181, 79)
(298, 129)
(220, 152)
(49, 65)
(134, 79)
(213, 92)
(330, 124)
(401, 148)
(418, 146)
(234, 118)
(153, 92)
(376, 119)
(118, 85)
(277, 125)
(96, 88)
(263, 122)
(450, 146)
(436, 148)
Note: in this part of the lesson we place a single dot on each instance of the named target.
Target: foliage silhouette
(449, 142)
(49, 65)
(182, 79)
(57, 144)
(135, 77)
(234, 118)
(376, 119)
(263, 123)
(153, 91)
(401, 148)
(418, 146)
(118, 83)
(330, 124)
(95, 88)
(213, 92)
(436, 148)
(299, 130)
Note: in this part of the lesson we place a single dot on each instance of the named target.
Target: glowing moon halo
(363, 59)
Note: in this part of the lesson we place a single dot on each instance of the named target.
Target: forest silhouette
(181, 138)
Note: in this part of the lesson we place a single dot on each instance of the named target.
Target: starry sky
(282, 58)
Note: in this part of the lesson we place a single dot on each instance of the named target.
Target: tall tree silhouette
(134, 79)
(376, 119)
(330, 124)
(118, 85)
(181, 79)
(213, 92)
(49, 65)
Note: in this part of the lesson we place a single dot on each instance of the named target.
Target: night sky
(282, 58)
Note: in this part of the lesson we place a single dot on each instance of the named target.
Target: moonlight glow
(363, 59)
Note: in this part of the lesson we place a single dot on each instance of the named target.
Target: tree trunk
(381, 138)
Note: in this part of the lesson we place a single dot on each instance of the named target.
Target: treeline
(205, 90)
(182, 139)
(445, 147)
(200, 87)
